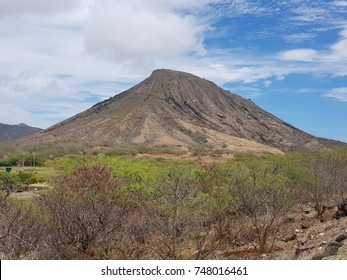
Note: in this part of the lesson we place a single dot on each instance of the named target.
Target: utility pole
(33, 160)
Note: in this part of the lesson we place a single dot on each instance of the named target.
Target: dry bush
(169, 213)
(176, 221)
(325, 181)
(85, 213)
(21, 231)
(264, 198)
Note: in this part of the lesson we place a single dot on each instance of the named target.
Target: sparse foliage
(111, 207)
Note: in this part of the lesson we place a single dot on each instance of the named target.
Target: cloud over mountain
(129, 30)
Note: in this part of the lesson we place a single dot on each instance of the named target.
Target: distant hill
(179, 109)
(12, 132)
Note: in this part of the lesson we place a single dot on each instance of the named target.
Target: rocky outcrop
(330, 250)
(341, 210)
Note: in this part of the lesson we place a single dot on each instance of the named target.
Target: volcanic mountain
(12, 132)
(179, 109)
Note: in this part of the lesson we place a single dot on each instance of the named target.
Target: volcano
(180, 109)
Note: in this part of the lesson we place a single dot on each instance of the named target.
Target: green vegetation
(123, 207)
(23, 159)
(197, 136)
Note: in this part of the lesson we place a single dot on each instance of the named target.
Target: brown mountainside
(177, 108)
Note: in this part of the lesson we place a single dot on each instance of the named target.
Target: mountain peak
(173, 74)
(164, 71)
(180, 87)
(170, 72)
(23, 125)
(170, 76)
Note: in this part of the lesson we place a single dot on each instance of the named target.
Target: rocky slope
(302, 237)
(179, 109)
(313, 239)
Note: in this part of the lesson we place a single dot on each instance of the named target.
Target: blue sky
(289, 56)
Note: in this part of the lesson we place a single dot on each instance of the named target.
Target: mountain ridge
(180, 109)
(12, 132)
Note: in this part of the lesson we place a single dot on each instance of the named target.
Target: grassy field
(44, 172)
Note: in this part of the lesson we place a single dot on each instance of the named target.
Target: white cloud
(321, 13)
(340, 3)
(339, 49)
(332, 60)
(178, 4)
(300, 37)
(305, 55)
(44, 73)
(41, 99)
(230, 68)
(143, 31)
(339, 94)
(267, 83)
(309, 14)
(10, 7)
(306, 90)
(123, 31)
(247, 91)
(211, 8)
